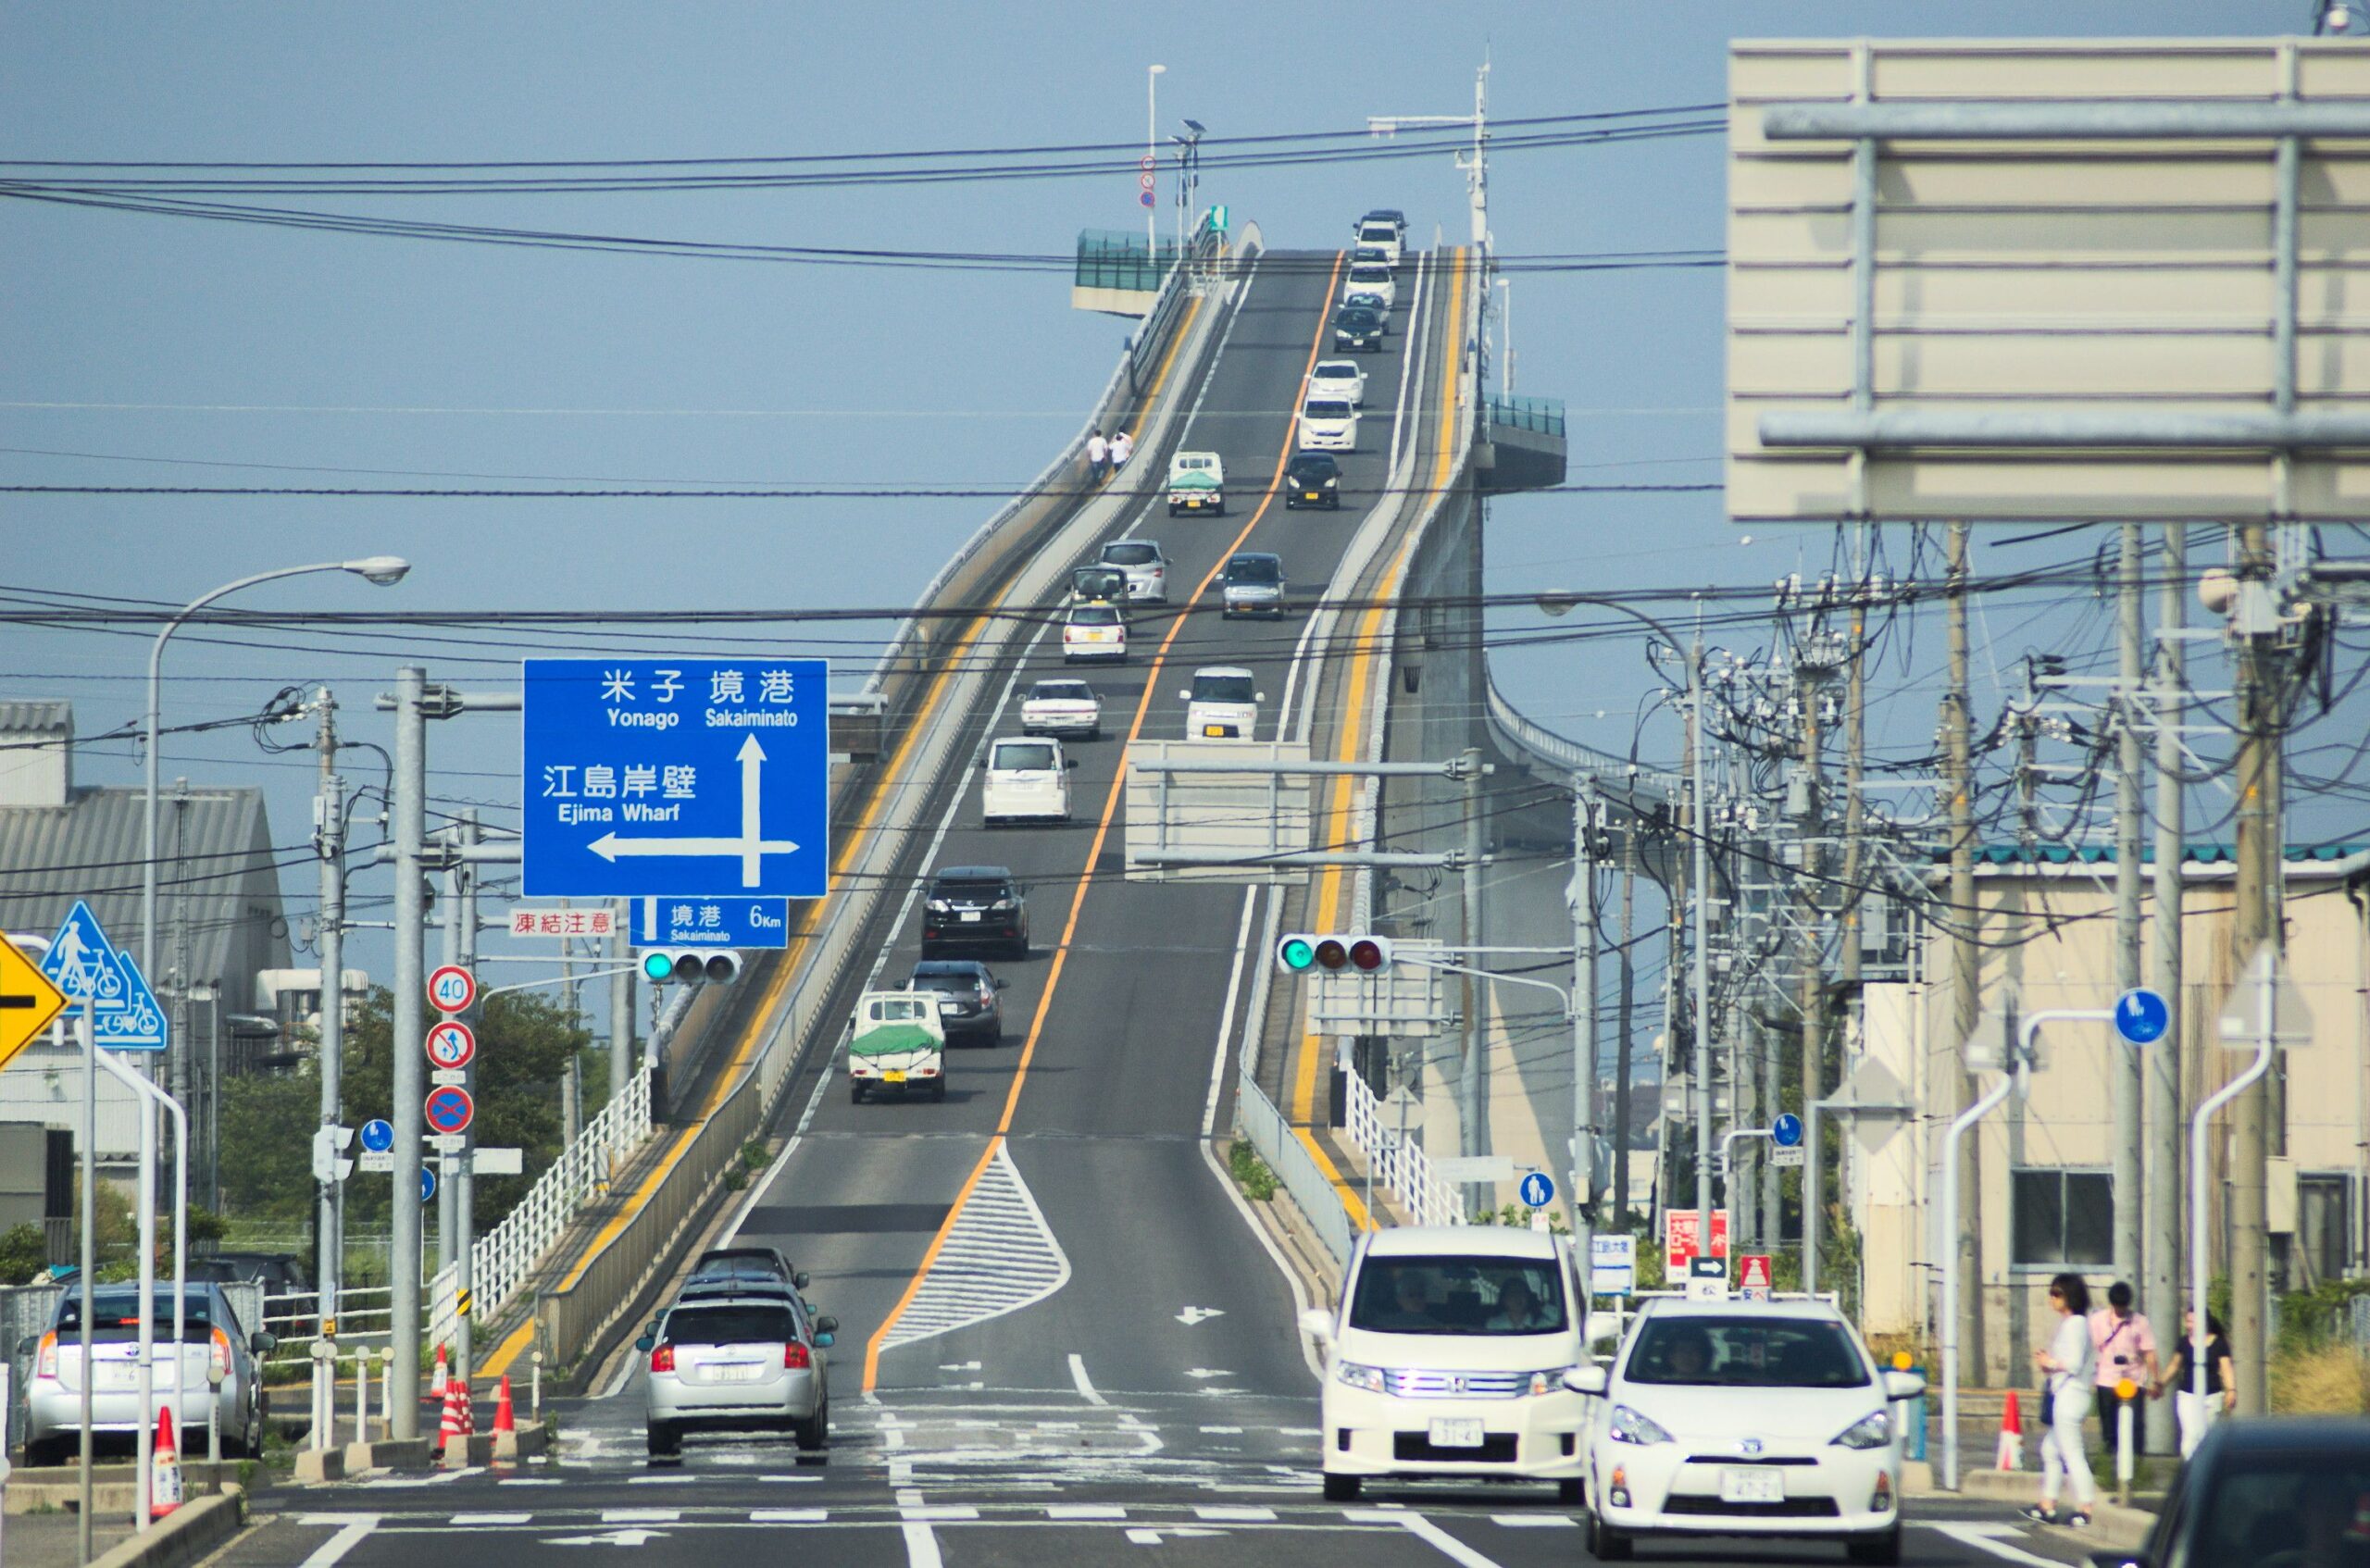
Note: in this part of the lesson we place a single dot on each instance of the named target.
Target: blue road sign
(426, 1183)
(694, 922)
(94, 973)
(449, 1108)
(379, 1136)
(2141, 1016)
(1537, 1191)
(677, 778)
(1787, 1130)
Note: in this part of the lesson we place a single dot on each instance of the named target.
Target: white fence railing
(1257, 1119)
(502, 1257)
(364, 1313)
(1399, 1163)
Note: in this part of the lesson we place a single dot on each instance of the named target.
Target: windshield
(1194, 461)
(1379, 233)
(1130, 554)
(1375, 275)
(731, 1326)
(1314, 465)
(1747, 1353)
(1254, 568)
(1094, 615)
(2286, 1511)
(973, 892)
(1014, 756)
(1357, 319)
(1061, 691)
(1469, 1297)
(115, 1320)
(1223, 688)
(1325, 409)
(951, 983)
(1336, 370)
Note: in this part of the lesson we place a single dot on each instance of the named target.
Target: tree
(24, 1255)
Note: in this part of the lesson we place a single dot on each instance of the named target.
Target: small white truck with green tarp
(896, 1042)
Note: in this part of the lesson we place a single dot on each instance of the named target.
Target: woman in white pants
(2067, 1364)
(2197, 1414)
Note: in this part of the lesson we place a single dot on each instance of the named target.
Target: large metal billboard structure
(2061, 281)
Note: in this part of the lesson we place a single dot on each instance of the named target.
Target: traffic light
(684, 967)
(1303, 952)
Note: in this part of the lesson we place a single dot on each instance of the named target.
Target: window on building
(2323, 1225)
(2061, 1218)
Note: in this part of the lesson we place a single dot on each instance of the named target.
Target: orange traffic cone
(436, 1382)
(165, 1474)
(505, 1421)
(2012, 1435)
(453, 1431)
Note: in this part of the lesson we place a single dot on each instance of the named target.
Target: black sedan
(2274, 1493)
(1312, 478)
(1357, 330)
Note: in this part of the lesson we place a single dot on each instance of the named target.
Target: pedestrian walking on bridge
(1098, 456)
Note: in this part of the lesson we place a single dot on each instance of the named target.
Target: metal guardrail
(1257, 1118)
(1398, 1164)
(1121, 258)
(1519, 736)
(1543, 415)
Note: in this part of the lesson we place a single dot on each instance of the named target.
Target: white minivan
(1382, 235)
(1446, 1357)
(1027, 781)
(1222, 704)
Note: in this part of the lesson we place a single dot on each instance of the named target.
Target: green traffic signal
(1297, 952)
(658, 967)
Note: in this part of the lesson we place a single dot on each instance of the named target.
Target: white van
(1027, 780)
(1381, 234)
(1222, 704)
(1446, 1355)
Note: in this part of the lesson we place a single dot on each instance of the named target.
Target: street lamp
(1151, 154)
(384, 571)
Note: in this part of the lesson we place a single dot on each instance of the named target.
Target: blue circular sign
(1537, 1191)
(379, 1136)
(1787, 1130)
(426, 1183)
(2141, 1016)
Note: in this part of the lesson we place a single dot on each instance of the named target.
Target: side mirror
(1185, 696)
(27, 1345)
(652, 1330)
(1904, 1386)
(827, 1324)
(825, 1339)
(1317, 1323)
(1586, 1380)
(646, 1344)
(1258, 696)
(1000, 985)
(261, 1343)
(1069, 761)
(798, 1279)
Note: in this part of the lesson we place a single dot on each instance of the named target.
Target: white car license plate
(1456, 1434)
(116, 1376)
(1753, 1484)
(738, 1371)
(948, 1004)
(968, 916)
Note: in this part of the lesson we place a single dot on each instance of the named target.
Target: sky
(150, 350)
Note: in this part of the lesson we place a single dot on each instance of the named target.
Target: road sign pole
(143, 1473)
(465, 1173)
(89, 1261)
(1945, 1217)
(404, 1255)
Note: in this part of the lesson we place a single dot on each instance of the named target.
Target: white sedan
(1342, 379)
(1732, 1418)
(1062, 707)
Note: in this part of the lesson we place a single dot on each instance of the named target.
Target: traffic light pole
(410, 809)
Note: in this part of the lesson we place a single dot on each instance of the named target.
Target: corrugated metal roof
(37, 715)
(214, 843)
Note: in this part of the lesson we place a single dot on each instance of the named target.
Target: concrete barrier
(189, 1533)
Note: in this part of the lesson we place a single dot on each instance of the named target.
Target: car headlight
(1359, 1376)
(1873, 1430)
(1550, 1381)
(1626, 1425)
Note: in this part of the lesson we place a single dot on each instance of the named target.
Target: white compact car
(1027, 781)
(1447, 1357)
(1733, 1418)
(1096, 632)
(1328, 424)
(1382, 235)
(1222, 704)
(1342, 379)
(1372, 278)
(1145, 566)
(1062, 707)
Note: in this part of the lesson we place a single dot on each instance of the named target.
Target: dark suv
(1312, 479)
(968, 1005)
(974, 906)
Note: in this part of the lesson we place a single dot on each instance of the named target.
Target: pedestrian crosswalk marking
(999, 1257)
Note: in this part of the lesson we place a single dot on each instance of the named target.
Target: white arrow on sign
(609, 1537)
(1192, 1316)
(751, 848)
(1206, 1371)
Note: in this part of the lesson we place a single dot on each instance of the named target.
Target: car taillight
(222, 1352)
(45, 1365)
(663, 1359)
(794, 1356)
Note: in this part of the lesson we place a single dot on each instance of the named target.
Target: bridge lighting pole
(1152, 168)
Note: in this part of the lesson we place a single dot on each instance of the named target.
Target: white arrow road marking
(640, 1515)
(1085, 1384)
(1192, 1316)
(351, 1529)
(751, 848)
(958, 1367)
(1994, 1539)
(610, 1538)
(1425, 1530)
(921, 1546)
(1206, 1371)
(1153, 1538)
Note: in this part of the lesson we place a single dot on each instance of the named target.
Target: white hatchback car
(1372, 278)
(1345, 379)
(1328, 424)
(1733, 1418)
(1448, 1357)
(1222, 704)
(1097, 632)
(1027, 781)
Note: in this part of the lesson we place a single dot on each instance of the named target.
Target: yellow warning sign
(27, 1001)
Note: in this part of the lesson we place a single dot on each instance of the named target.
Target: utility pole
(620, 1004)
(1958, 745)
(2255, 923)
(411, 825)
(1476, 1024)
(2162, 1297)
(465, 1166)
(1703, 955)
(1855, 759)
(2125, 1067)
(1584, 995)
(1811, 995)
(328, 841)
(1626, 1042)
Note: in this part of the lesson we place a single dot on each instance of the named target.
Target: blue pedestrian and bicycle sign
(2141, 1016)
(1787, 1130)
(677, 779)
(379, 1135)
(1538, 1191)
(96, 975)
(719, 922)
(426, 1183)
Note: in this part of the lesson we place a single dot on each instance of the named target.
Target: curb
(189, 1533)
(2113, 1526)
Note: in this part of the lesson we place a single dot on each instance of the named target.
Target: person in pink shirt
(2126, 1347)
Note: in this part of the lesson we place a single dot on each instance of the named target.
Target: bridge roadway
(1064, 1337)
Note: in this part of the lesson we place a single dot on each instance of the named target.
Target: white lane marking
(351, 1529)
(1203, 1373)
(1224, 1431)
(1423, 1529)
(921, 1546)
(957, 1512)
(1988, 1538)
(640, 1515)
(1217, 1515)
(530, 1481)
(1535, 1520)
(1407, 356)
(1085, 1511)
(1174, 1532)
(787, 1516)
(1192, 1316)
(492, 1518)
(1225, 1028)
(786, 1477)
(660, 1480)
(1085, 1384)
(999, 1257)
